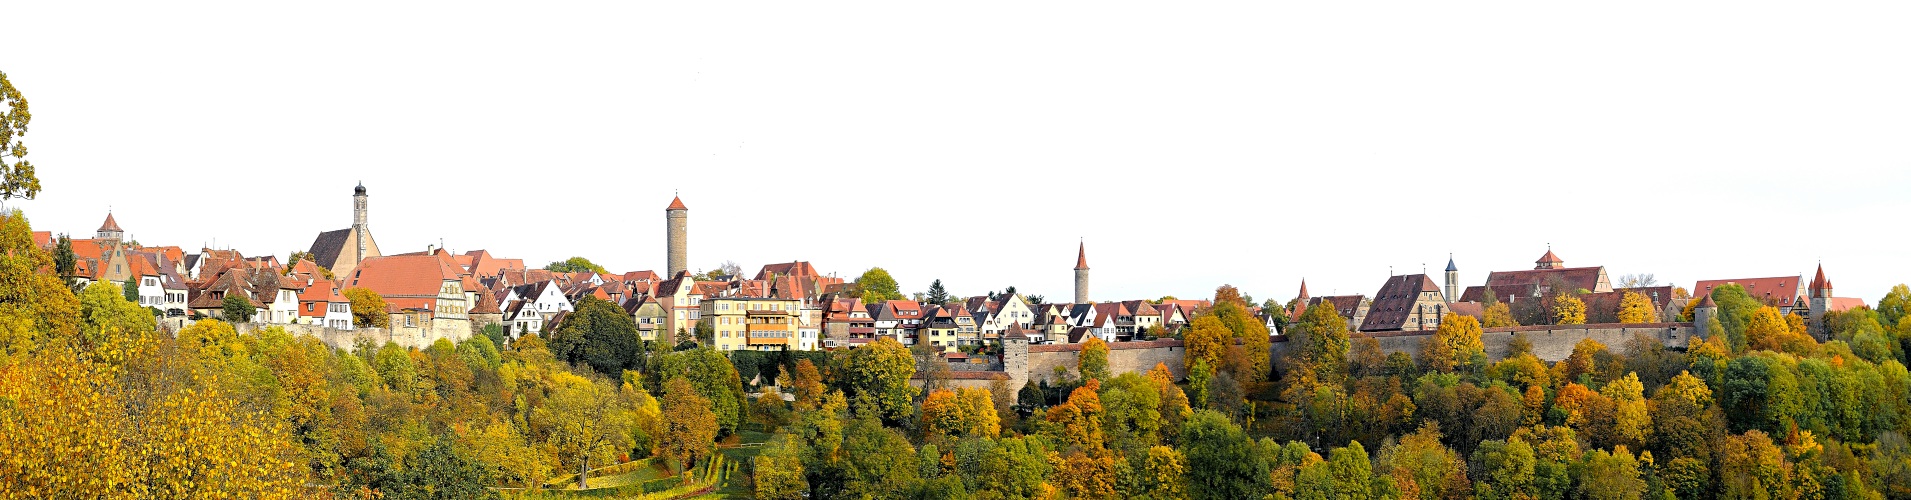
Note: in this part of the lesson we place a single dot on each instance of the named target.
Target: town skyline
(1185, 160)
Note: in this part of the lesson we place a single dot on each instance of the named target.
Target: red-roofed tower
(1081, 274)
(677, 237)
(1820, 304)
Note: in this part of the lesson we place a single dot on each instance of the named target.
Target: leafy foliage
(368, 308)
(574, 265)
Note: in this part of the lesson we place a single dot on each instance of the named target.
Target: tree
(1207, 339)
(937, 294)
(368, 308)
(1568, 310)
(598, 333)
(16, 176)
(876, 286)
(1766, 330)
(1322, 342)
(1631, 420)
(574, 265)
(1456, 342)
(63, 260)
(1222, 461)
(779, 470)
(1498, 315)
(1636, 308)
(111, 328)
(713, 376)
(1612, 475)
(690, 428)
(1893, 307)
(238, 308)
(879, 373)
(1248, 342)
(1735, 313)
(1641, 280)
(1093, 363)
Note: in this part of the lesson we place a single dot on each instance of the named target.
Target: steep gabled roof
(1394, 304)
(1781, 291)
(110, 224)
(326, 247)
(403, 275)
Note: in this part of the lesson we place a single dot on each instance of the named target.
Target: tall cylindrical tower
(1081, 274)
(358, 220)
(676, 227)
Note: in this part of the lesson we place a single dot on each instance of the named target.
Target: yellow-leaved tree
(1454, 344)
(1498, 315)
(1636, 308)
(1767, 330)
(1569, 310)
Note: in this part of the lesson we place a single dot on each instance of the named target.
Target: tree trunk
(583, 470)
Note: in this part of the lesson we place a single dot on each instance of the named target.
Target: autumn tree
(1568, 310)
(17, 179)
(1634, 307)
(1455, 343)
(948, 414)
(779, 470)
(1498, 315)
(1766, 330)
(368, 308)
(876, 285)
(690, 428)
(1093, 363)
(1206, 339)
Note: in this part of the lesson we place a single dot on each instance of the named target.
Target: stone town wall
(415, 337)
(1122, 357)
(1550, 342)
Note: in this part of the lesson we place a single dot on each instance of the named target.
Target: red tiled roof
(1819, 282)
(110, 224)
(1548, 261)
(403, 276)
(43, 239)
(796, 268)
(1842, 304)
(1081, 256)
(1783, 291)
(676, 204)
(1395, 301)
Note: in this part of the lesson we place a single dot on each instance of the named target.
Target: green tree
(238, 308)
(574, 265)
(1222, 460)
(63, 260)
(876, 286)
(1892, 308)
(937, 294)
(598, 333)
(1613, 475)
(17, 179)
(878, 374)
(1735, 313)
(713, 376)
(876, 461)
(368, 308)
(1093, 363)
(1322, 341)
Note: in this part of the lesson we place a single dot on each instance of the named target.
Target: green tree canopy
(878, 374)
(574, 265)
(598, 334)
(876, 286)
(238, 308)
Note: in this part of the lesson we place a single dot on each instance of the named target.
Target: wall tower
(358, 221)
(676, 228)
(1081, 274)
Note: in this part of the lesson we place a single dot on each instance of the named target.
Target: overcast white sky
(1189, 144)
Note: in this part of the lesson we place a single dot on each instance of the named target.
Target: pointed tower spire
(1081, 256)
(1081, 273)
(1303, 288)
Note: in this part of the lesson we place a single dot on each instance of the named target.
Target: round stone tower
(1081, 274)
(358, 219)
(676, 227)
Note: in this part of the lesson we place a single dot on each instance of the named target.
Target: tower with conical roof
(109, 230)
(1453, 280)
(1820, 304)
(1081, 274)
(360, 217)
(1549, 261)
(677, 236)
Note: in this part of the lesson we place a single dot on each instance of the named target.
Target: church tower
(1081, 274)
(1453, 280)
(109, 230)
(676, 236)
(358, 222)
(1820, 304)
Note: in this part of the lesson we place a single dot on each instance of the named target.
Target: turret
(1820, 305)
(1081, 274)
(1453, 280)
(676, 236)
(359, 219)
